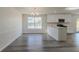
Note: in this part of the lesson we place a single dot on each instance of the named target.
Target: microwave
(61, 20)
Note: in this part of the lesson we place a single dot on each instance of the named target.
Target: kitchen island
(58, 33)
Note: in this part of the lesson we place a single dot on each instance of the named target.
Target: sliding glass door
(34, 23)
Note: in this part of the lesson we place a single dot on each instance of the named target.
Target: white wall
(68, 18)
(10, 26)
(26, 30)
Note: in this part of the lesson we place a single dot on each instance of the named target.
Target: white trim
(9, 43)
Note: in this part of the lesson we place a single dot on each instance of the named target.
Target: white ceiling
(46, 10)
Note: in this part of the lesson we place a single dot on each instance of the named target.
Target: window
(34, 22)
(77, 26)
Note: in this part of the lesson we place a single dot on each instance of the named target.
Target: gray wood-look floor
(43, 43)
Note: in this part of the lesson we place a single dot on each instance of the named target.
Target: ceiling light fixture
(34, 12)
(72, 8)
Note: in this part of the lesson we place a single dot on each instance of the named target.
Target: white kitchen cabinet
(58, 33)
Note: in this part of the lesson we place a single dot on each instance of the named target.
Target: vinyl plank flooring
(43, 43)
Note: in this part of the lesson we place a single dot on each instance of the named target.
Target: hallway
(43, 43)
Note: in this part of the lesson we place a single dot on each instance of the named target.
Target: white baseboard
(9, 43)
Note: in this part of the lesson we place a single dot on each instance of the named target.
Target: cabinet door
(62, 34)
